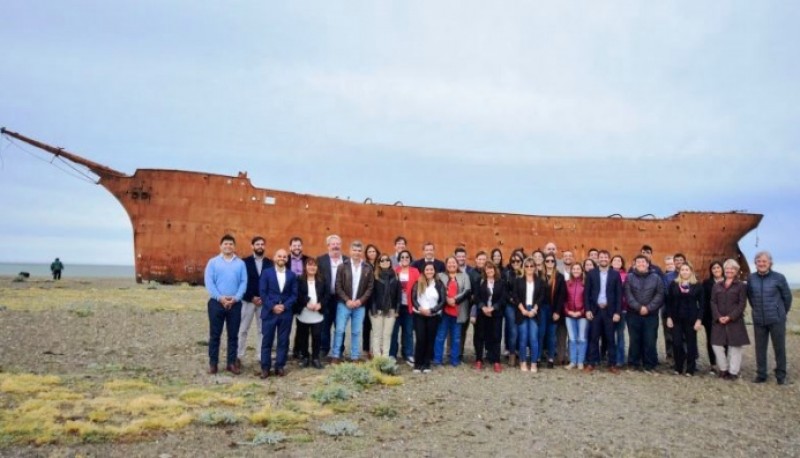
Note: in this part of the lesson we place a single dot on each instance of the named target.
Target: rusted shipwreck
(179, 216)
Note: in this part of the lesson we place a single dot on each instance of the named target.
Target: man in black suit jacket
(428, 255)
(328, 264)
(603, 299)
(251, 302)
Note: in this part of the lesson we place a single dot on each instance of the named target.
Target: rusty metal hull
(179, 216)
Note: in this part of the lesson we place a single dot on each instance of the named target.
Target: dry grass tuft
(128, 385)
(27, 383)
(389, 380)
(278, 419)
(205, 398)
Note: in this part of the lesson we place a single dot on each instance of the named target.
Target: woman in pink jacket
(575, 313)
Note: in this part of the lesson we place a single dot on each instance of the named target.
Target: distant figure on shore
(56, 267)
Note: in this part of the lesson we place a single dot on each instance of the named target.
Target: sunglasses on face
(515, 261)
(385, 260)
(404, 257)
(550, 261)
(528, 267)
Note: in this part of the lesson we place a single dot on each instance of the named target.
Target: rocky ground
(93, 332)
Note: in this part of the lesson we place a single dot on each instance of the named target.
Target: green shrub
(353, 375)
(218, 418)
(341, 428)
(331, 393)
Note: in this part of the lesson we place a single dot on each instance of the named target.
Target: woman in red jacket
(407, 275)
(575, 313)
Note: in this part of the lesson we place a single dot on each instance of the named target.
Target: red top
(574, 298)
(452, 290)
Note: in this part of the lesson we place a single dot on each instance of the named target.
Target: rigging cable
(78, 173)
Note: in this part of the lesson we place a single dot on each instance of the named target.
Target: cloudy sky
(583, 108)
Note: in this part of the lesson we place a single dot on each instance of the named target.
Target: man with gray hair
(770, 299)
(353, 287)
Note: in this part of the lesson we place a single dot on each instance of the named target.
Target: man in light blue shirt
(226, 283)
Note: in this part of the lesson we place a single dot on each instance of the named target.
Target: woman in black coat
(715, 275)
(488, 316)
(312, 294)
(685, 318)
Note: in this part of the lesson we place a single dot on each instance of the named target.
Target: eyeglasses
(515, 261)
(549, 261)
(405, 257)
(528, 267)
(386, 260)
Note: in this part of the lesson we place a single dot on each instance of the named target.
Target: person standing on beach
(770, 299)
(251, 302)
(278, 291)
(428, 256)
(603, 310)
(297, 264)
(645, 293)
(329, 264)
(56, 267)
(684, 306)
(354, 284)
(400, 243)
(728, 301)
(226, 283)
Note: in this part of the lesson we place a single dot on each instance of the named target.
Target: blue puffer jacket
(770, 297)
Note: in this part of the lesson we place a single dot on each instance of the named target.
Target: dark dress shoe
(238, 363)
(781, 381)
(264, 373)
(212, 370)
(316, 364)
(760, 380)
(549, 364)
(280, 372)
(233, 369)
(304, 363)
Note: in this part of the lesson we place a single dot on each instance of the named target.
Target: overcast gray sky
(583, 108)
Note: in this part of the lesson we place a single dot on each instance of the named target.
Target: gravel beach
(90, 331)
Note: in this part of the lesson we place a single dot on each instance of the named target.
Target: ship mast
(99, 169)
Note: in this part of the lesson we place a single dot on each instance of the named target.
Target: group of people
(547, 310)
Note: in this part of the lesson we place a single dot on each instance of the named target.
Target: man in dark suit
(328, 264)
(603, 299)
(251, 302)
(278, 291)
(354, 283)
(428, 255)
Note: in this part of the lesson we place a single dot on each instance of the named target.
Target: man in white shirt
(354, 283)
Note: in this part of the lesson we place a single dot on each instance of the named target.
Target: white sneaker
(580, 366)
(410, 362)
(426, 371)
(417, 371)
(569, 367)
(534, 368)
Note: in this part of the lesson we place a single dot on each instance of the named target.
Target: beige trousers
(381, 335)
(733, 362)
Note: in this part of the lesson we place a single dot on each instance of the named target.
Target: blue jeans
(449, 324)
(643, 332)
(619, 333)
(528, 337)
(356, 318)
(511, 329)
(218, 317)
(576, 328)
(547, 329)
(404, 322)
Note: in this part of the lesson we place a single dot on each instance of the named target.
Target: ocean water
(70, 270)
